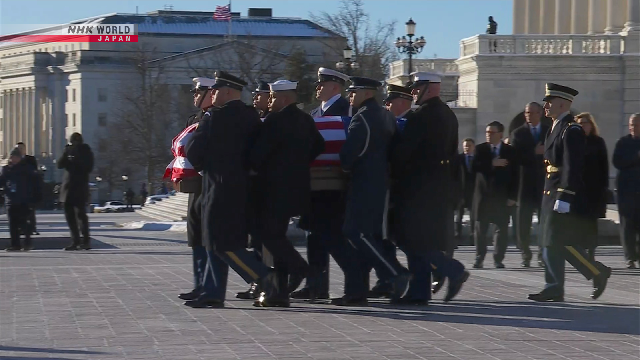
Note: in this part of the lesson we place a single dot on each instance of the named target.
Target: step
(160, 214)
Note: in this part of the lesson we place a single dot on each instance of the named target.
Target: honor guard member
(422, 160)
(288, 143)
(219, 147)
(261, 104)
(564, 205)
(398, 102)
(201, 99)
(365, 156)
(324, 222)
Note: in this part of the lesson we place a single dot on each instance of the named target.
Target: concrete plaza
(119, 301)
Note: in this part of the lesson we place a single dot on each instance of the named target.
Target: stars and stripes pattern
(334, 131)
(222, 12)
(180, 168)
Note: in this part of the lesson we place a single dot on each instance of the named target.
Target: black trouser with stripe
(554, 258)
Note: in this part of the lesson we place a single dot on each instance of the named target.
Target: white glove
(561, 207)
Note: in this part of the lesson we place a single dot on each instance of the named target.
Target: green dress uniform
(562, 237)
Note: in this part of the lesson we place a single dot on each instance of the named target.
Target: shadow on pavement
(48, 351)
(612, 319)
(54, 243)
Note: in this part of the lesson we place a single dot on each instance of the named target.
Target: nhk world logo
(77, 33)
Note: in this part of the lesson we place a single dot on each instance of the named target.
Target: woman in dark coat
(596, 178)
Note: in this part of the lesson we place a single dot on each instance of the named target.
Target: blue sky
(442, 22)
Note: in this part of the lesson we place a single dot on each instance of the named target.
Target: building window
(73, 94)
(102, 119)
(71, 47)
(102, 95)
(66, 120)
(66, 95)
(74, 120)
(102, 145)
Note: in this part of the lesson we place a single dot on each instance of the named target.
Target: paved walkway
(119, 301)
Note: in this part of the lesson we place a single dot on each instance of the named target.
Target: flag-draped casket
(184, 177)
(326, 173)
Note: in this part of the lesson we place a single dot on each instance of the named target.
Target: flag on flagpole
(223, 13)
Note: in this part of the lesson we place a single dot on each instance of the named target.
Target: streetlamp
(409, 46)
(125, 178)
(347, 64)
(99, 181)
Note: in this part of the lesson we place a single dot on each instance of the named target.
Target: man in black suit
(467, 182)
(31, 160)
(528, 140)
(495, 165)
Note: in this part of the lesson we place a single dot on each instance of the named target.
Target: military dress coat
(422, 163)
(220, 147)
(339, 108)
(365, 156)
(565, 159)
(288, 143)
(194, 229)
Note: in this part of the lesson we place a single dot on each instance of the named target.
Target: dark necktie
(536, 135)
(469, 160)
(495, 151)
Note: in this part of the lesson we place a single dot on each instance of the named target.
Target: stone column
(633, 15)
(548, 16)
(597, 16)
(615, 21)
(519, 16)
(579, 18)
(533, 17)
(563, 17)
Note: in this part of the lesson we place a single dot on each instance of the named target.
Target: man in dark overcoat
(365, 156)
(626, 158)
(324, 221)
(564, 204)
(77, 163)
(288, 143)
(220, 148)
(422, 161)
(496, 168)
(465, 183)
(204, 284)
(31, 160)
(528, 140)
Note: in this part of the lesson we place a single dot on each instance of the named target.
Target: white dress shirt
(327, 104)
(559, 118)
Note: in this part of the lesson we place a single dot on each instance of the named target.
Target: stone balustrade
(444, 66)
(606, 44)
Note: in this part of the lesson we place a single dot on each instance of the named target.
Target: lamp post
(409, 46)
(347, 64)
(99, 181)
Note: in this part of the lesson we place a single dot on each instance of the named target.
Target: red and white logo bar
(78, 33)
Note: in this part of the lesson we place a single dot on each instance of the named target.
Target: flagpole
(230, 16)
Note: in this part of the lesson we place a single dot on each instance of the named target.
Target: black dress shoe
(413, 302)
(455, 286)
(542, 297)
(13, 248)
(542, 264)
(600, 283)
(631, 264)
(28, 247)
(477, 264)
(380, 291)
(203, 302)
(306, 294)
(192, 295)
(526, 263)
(72, 247)
(350, 301)
(252, 293)
(295, 280)
(436, 286)
(499, 265)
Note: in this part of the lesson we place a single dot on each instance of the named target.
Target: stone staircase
(174, 208)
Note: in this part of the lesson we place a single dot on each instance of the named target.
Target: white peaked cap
(432, 77)
(204, 82)
(283, 85)
(331, 72)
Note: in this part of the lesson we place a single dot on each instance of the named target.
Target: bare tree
(372, 43)
(145, 121)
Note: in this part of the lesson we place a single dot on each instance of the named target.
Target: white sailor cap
(283, 85)
(421, 77)
(203, 83)
(325, 74)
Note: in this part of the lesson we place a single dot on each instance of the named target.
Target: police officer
(19, 180)
(365, 156)
(288, 143)
(219, 147)
(261, 104)
(203, 101)
(324, 222)
(422, 161)
(564, 204)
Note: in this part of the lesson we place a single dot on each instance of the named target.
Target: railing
(445, 66)
(542, 45)
(466, 99)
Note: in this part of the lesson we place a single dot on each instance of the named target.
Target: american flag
(222, 12)
(180, 168)
(334, 131)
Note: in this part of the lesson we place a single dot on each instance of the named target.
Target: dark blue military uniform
(562, 237)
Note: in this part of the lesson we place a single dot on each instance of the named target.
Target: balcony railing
(445, 66)
(542, 45)
(465, 99)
